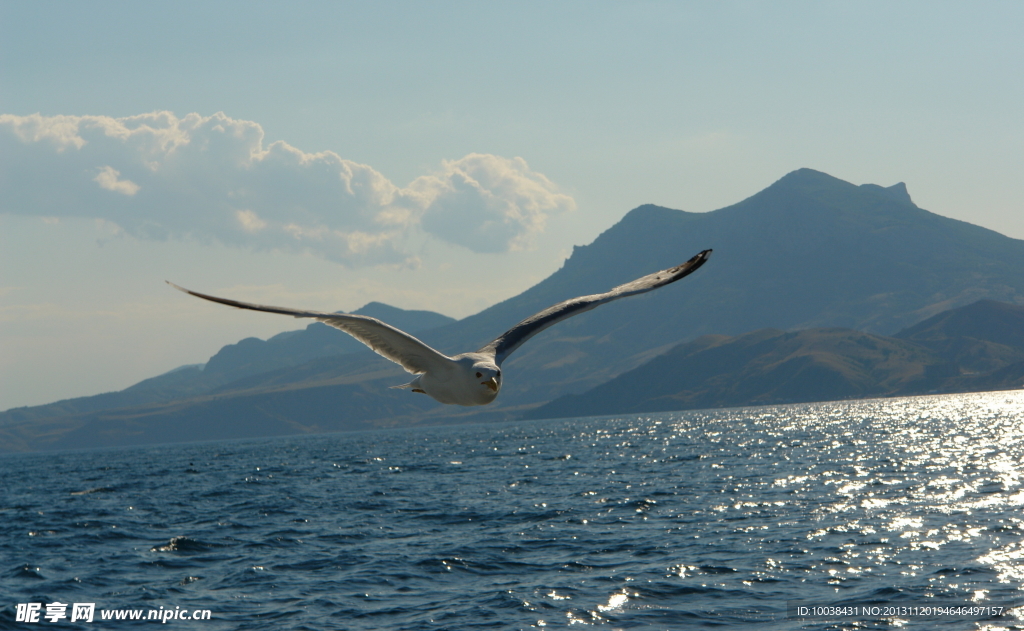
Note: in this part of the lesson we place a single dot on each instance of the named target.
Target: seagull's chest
(457, 388)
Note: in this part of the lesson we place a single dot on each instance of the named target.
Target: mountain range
(974, 348)
(809, 254)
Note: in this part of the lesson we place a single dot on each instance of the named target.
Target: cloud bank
(211, 178)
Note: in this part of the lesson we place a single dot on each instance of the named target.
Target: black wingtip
(183, 290)
(698, 259)
(691, 266)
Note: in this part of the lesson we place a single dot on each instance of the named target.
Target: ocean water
(717, 519)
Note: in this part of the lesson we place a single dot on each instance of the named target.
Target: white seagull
(470, 378)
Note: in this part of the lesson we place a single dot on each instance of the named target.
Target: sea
(874, 514)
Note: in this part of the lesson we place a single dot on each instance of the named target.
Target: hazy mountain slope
(764, 367)
(980, 337)
(178, 383)
(977, 347)
(234, 362)
(264, 413)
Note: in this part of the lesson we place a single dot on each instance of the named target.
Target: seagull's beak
(492, 383)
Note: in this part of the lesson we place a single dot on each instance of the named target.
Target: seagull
(469, 378)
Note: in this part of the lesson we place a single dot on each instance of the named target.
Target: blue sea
(889, 513)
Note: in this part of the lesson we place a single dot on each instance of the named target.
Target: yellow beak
(492, 383)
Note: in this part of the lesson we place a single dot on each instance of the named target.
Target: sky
(442, 155)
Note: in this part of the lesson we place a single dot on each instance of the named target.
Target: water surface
(707, 519)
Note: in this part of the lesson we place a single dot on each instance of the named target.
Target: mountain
(234, 363)
(764, 367)
(809, 251)
(253, 356)
(978, 338)
(973, 348)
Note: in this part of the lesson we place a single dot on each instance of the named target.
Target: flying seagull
(470, 378)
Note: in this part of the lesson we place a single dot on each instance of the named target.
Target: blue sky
(438, 156)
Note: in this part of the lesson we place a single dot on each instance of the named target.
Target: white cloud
(488, 203)
(108, 179)
(157, 176)
(250, 222)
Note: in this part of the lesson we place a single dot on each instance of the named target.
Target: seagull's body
(470, 378)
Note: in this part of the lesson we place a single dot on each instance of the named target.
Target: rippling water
(664, 521)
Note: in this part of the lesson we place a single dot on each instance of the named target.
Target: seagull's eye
(478, 375)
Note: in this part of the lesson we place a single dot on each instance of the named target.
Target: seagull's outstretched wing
(512, 339)
(385, 340)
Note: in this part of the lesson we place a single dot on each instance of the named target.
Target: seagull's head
(488, 375)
